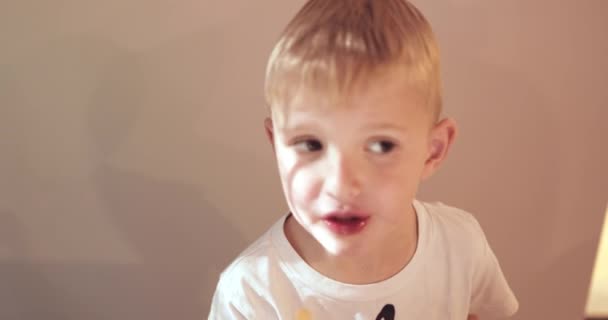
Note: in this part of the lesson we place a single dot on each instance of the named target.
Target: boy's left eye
(381, 146)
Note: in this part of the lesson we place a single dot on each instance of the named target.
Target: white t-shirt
(453, 273)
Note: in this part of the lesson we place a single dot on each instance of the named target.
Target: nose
(343, 180)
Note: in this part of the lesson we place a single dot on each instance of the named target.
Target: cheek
(305, 186)
(300, 182)
(395, 182)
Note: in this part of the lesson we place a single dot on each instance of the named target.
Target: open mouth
(346, 224)
(345, 220)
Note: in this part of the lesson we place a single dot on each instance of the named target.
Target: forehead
(386, 97)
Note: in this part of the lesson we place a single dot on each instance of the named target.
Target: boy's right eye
(308, 145)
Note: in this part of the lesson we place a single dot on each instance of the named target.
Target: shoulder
(456, 233)
(250, 264)
(491, 295)
(453, 223)
(258, 263)
(243, 288)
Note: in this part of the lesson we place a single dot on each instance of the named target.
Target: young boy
(355, 103)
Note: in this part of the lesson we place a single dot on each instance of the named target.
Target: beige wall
(133, 164)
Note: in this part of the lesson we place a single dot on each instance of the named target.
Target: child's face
(350, 172)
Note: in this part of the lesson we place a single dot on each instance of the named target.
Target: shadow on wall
(26, 292)
(169, 228)
(182, 239)
(169, 225)
(172, 229)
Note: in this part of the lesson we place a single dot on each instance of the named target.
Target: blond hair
(332, 44)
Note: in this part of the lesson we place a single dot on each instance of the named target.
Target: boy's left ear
(441, 139)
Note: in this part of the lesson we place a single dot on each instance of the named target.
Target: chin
(340, 247)
(344, 251)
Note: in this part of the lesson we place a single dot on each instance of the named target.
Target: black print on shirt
(387, 313)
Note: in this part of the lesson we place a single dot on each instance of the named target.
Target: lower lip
(346, 228)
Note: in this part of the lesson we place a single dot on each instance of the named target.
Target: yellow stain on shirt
(303, 314)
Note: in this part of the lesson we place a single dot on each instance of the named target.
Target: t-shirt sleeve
(236, 297)
(492, 298)
(223, 306)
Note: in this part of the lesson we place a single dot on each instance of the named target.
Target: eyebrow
(385, 126)
(302, 126)
(299, 126)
